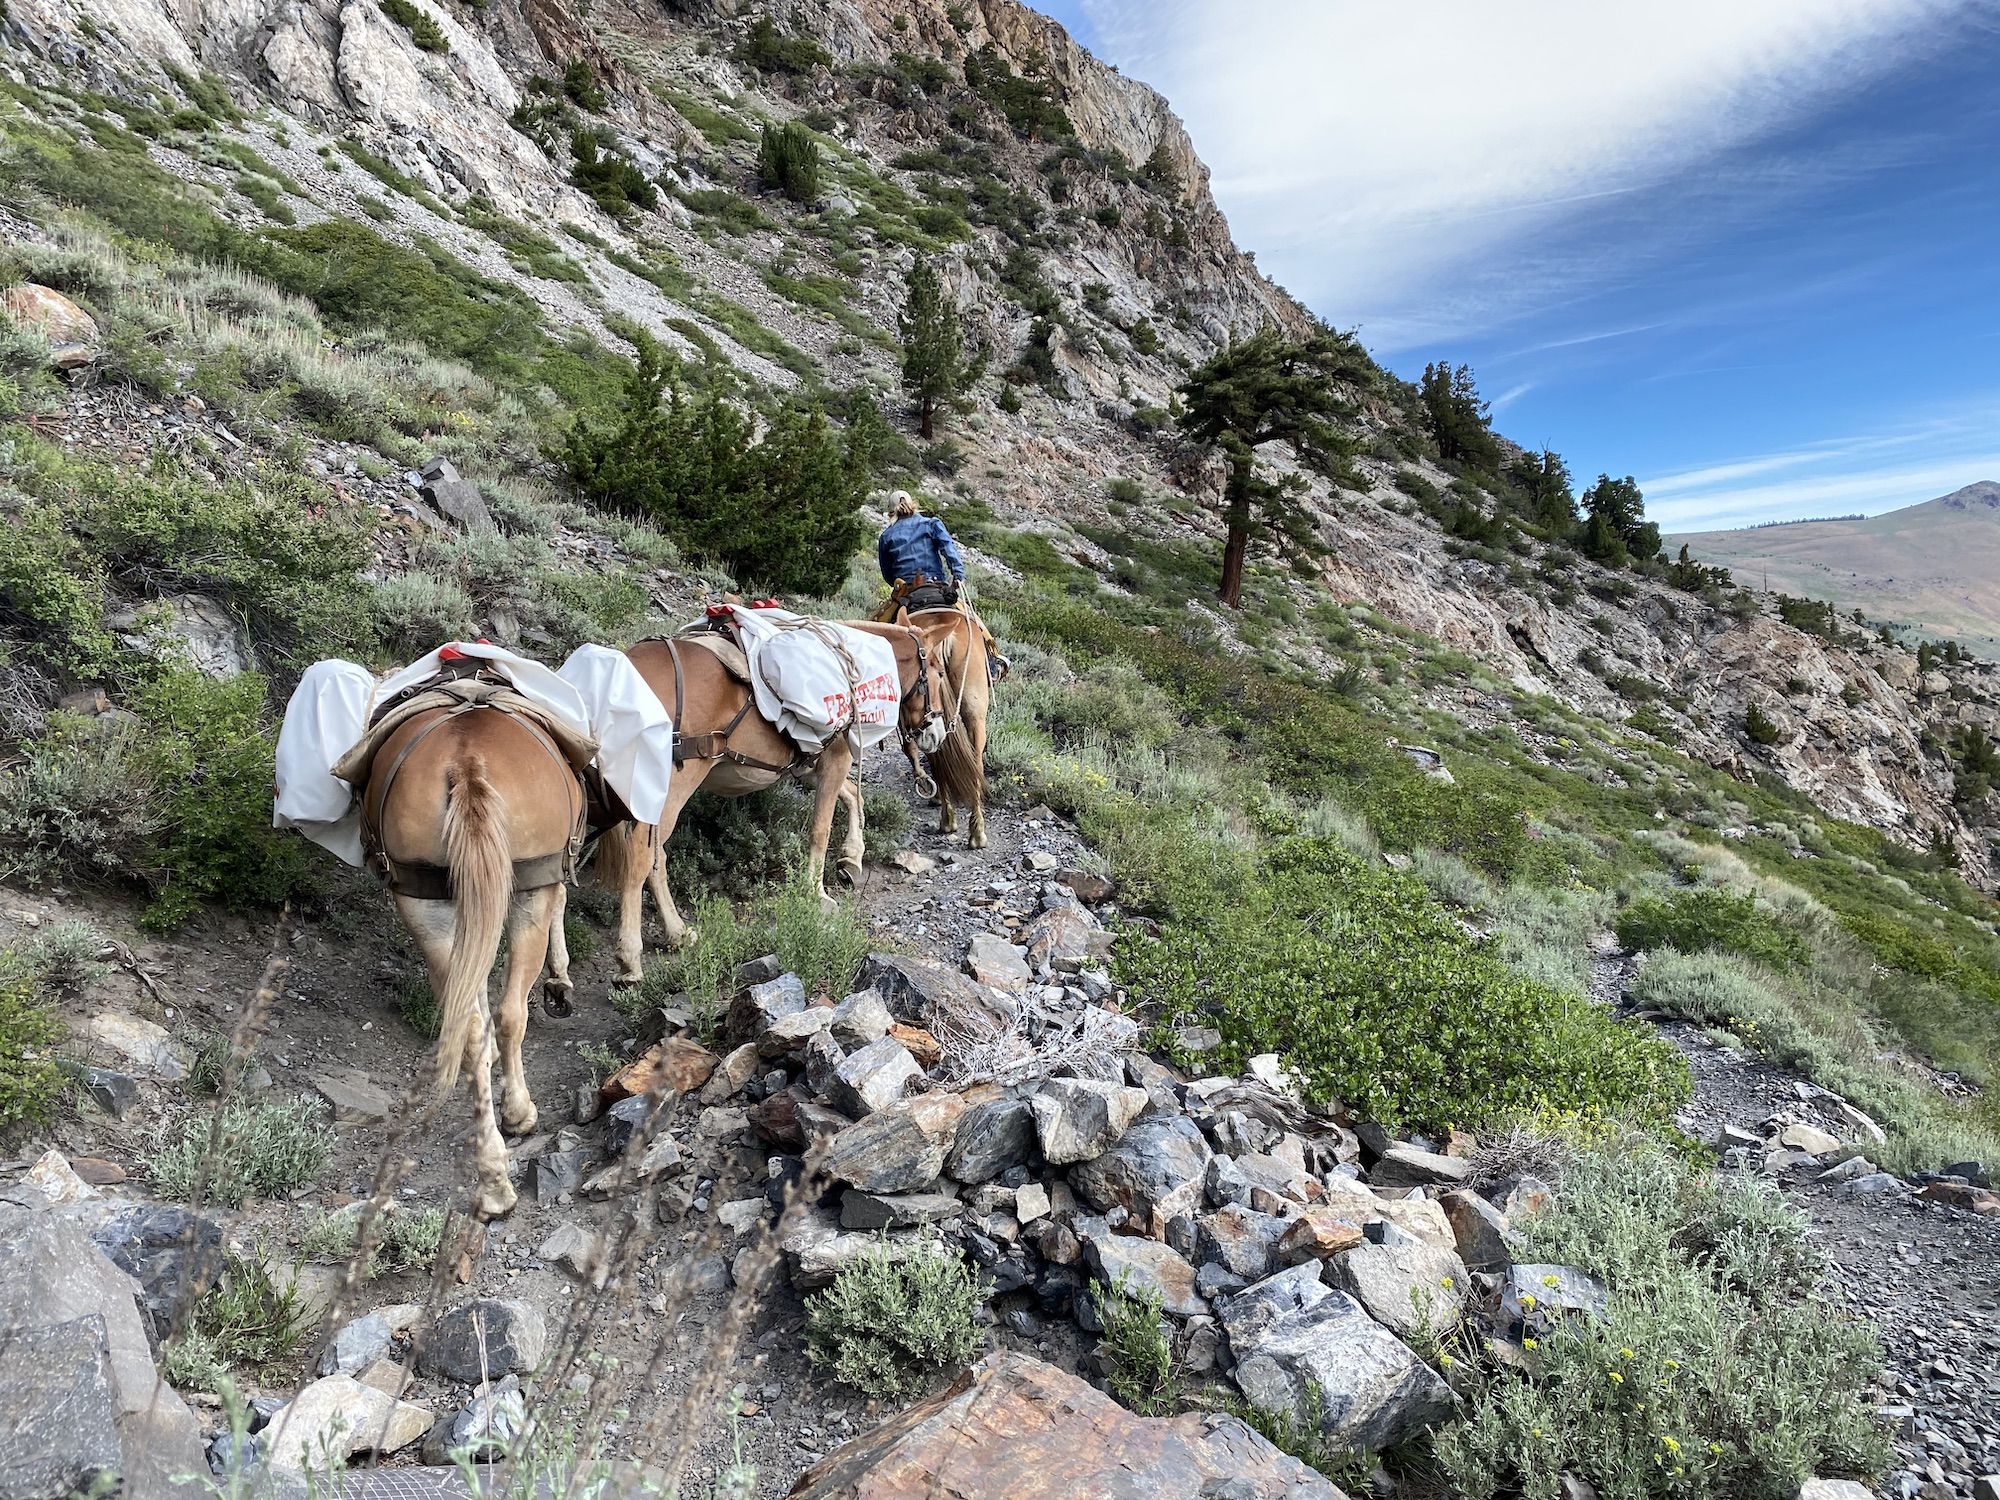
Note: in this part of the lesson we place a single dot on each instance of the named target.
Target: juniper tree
(1615, 527)
(788, 161)
(1269, 389)
(935, 368)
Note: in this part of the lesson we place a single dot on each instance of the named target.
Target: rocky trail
(1287, 1246)
(1925, 1273)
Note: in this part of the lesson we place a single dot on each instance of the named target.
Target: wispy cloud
(1512, 394)
(1902, 465)
(1382, 156)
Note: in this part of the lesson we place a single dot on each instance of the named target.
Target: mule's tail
(959, 768)
(482, 883)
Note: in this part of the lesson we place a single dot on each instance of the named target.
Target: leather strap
(715, 744)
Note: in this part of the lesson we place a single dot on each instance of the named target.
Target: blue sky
(1748, 252)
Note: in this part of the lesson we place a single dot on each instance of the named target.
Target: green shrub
(424, 31)
(31, 1081)
(1139, 1348)
(1690, 1386)
(267, 196)
(1759, 728)
(268, 1149)
(1376, 997)
(405, 1238)
(788, 161)
(209, 765)
(1707, 919)
(607, 177)
(417, 611)
(888, 1327)
(245, 1319)
(824, 948)
(769, 50)
(77, 802)
(781, 513)
(580, 85)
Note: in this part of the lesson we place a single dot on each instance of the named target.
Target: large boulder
(1410, 1166)
(898, 1149)
(936, 998)
(1141, 1266)
(1077, 1119)
(993, 1135)
(339, 1415)
(760, 1006)
(1479, 1229)
(1332, 1361)
(817, 1248)
(483, 1340)
(1020, 1428)
(61, 1297)
(194, 625)
(1408, 1288)
(174, 1255)
(1240, 1240)
(59, 1409)
(71, 333)
(994, 961)
(1154, 1172)
(876, 1076)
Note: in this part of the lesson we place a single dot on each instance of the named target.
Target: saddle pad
(723, 649)
(578, 749)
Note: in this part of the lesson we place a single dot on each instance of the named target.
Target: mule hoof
(524, 1124)
(826, 903)
(689, 936)
(850, 871)
(556, 1001)
(494, 1203)
(977, 841)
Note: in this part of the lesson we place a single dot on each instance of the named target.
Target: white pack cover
(528, 677)
(328, 714)
(635, 734)
(598, 692)
(804, 687)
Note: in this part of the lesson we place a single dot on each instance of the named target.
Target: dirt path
(1926, 1276)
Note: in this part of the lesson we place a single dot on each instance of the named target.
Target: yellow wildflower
(1616, 1378)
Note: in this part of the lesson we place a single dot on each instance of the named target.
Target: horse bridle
(907, 734)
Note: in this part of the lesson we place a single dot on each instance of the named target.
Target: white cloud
(1379, 154)
(1861, 474)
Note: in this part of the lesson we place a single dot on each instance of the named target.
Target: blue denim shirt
(919, 544)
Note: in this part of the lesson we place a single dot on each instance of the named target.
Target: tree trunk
(1236, 516)
(926, 413)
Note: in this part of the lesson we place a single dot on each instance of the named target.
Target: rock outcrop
(1024, 1429)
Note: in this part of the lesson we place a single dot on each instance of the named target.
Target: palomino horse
(958, 766)
(723, 745)
(474, 811)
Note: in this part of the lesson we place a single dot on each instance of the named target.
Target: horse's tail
(957, 764)
(482, 883)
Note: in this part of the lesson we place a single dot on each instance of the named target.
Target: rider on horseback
(924, 569)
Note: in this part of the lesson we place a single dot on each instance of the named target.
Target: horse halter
(932, 726)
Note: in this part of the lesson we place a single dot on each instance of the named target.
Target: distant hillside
(1935, 565)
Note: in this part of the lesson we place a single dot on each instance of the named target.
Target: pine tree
(1269, 389)
(935, 368)
(1160, 171)
(1456, 415)
(1547, 496)
(1615, 527)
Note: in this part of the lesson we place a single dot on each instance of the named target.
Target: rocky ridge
(1857, 729)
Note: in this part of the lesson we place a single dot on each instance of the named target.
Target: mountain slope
(1934, 566)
